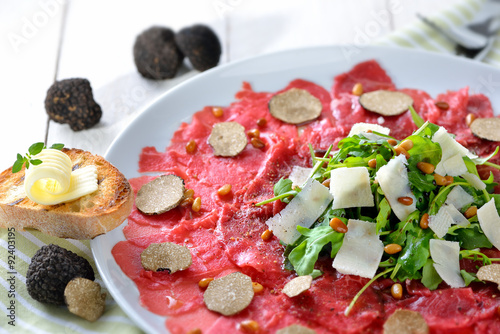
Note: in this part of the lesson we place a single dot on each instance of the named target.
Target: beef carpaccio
(225, 235)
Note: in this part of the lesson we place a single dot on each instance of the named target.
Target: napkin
(22, 314)
(420, 36)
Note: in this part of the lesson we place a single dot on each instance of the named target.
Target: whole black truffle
(156, 55)
(201, 45)
(71, 101)
(51, 268)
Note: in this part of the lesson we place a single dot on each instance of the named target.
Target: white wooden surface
(43, 40)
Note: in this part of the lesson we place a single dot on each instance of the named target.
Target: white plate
(408, 68)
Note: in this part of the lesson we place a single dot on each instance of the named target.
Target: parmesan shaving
(350, 188)
(459, 198)
(474, 180)
(441, 222)
(489, 220)
(445, 255)
(299, 175)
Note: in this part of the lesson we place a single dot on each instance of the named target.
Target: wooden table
(49, 40)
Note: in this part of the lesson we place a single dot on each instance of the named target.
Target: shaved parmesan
(459, 198)
(490, 222)
(299, 175)
(350, 188)
(449, 148)
(454, 165)
(474, 180)
(445, 255)
(303, 210)
(393, 179)
(441, 222)
(363, 128)
(457, 216)
(361, 250)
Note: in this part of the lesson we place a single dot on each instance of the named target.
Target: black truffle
(71, 101)
(201, 45)
(156, 55)
(51, 268)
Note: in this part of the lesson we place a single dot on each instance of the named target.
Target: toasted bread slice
(83, 218)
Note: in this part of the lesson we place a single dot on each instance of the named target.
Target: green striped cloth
(33, 317)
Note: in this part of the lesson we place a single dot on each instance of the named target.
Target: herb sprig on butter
(423, 212)
(28, 157)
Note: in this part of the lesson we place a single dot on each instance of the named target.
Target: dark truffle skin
(156, 55)
(71, 101)
(201, 45)
(51, 268)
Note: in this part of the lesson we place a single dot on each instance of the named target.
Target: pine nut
(191, 146)
(217, 111)
(357, 89)
(405, 200)
(194, 331)
(254, 133)
(470, 212)
(399, 150)
(187, 202)
(440, 180)
(449, 180)
(196, 204)
(442, 105)
(326, 183)
(392, 248)
(224, 190)
(257, 142)
(392, 142)
(338, 225)
(266, 235)
(424, 221)
(397, 291)
(188, 193)
(425, 167)
(204, 282)
(469, 119)
(407, 144)
(249, 326)
(257, 287)
(372, 163)
(261, 122)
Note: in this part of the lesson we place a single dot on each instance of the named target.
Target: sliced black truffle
(51, 268)
(230, 294)
(227, 139)
(486, 128)
(84, 298)
(71, 102)
(386, 102)
(406, 322)
(295, 329)
(200, 45)
(160, 195)
(295, 106)
(166, 256)
(156, 55)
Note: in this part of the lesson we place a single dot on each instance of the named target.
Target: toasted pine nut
(257, 287)
(204, 282)
(261, 122)
(338, 225)
(217, 111)
(392, 248)
(397, 291)
(449, 179)
(188, 193)
(326, 183)
(187, 202)
(470, 212)
(425, 167)
(357, 89)
(440, 180)
(249, 326)
(224, 190)
(194, 331)
(392, 142)
(442, 105)
(254, 133)
(191, 146)
(257, 142)
(405, 200)
(372, 163)
(424, 221)
(469, 119)
(266, 235)
(407, 144)
(196, 204)
(399, 150)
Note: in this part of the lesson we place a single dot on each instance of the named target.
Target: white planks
(30, 36)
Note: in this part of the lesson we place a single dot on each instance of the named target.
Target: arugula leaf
(416, 252)
(422, 182)
(469, 277)
(430, 277)
(480, 161)
(470, 237)
(282, 186)
(410, 225)
(424, 149)
(383, 215)
(304, 256)
(416, 117)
